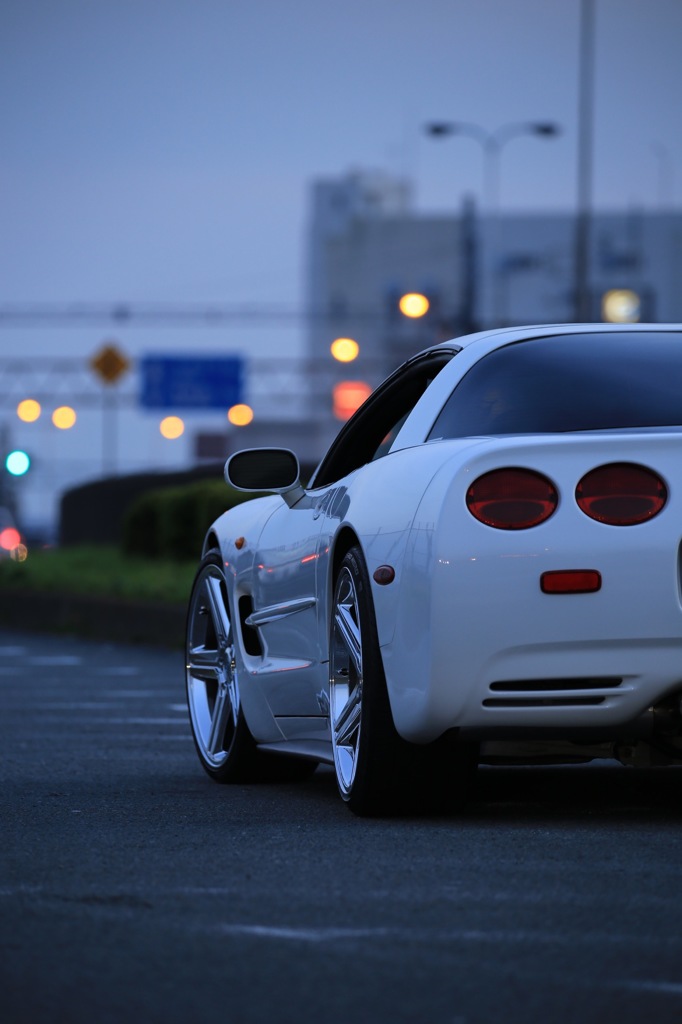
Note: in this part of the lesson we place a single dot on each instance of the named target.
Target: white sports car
(485, 566)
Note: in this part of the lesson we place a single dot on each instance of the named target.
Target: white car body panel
(461, 585)
(465, 609)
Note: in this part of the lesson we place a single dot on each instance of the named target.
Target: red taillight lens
(512, 499)
(622, 494)
(570, 581)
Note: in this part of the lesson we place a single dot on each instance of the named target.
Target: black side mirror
(273, 470)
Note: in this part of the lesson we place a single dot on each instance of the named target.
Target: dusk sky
(162, 151)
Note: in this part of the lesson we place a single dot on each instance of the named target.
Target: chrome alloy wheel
(212, 687)
(345, 680)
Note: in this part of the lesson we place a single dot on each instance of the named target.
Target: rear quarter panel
(470, 594)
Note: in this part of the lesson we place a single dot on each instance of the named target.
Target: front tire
(377, 771)
(221, 736)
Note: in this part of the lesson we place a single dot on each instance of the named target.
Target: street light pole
(582, 304)
(491, 144)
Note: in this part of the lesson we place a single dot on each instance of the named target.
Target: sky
(162, 151)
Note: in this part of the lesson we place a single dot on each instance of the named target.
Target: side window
(371, 431)
(385, 445)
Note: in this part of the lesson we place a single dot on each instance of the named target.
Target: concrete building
(367, 246)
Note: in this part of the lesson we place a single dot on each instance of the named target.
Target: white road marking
(129, 693)
(671, 987)
(118, 720)
(82, 705)
(118, 670)
(138, 721)
(498, 937)
(55, 660)
(307, 934)
(90, 705)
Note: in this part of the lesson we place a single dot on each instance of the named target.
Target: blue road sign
(191, 382)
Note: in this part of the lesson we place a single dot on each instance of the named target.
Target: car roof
(499, 336)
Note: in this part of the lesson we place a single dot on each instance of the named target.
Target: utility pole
(583, 234)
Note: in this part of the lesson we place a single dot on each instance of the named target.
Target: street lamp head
(546, 128)
(439, 128)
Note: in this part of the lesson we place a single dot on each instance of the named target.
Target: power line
(155, 314)
(48, 378)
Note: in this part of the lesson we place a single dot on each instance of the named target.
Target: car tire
(221, 736)
(378, 773)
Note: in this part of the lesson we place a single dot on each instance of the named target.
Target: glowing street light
(413, 304)
(19, 553)
(29, 410)
(240, 415)
(171, 427)
(344, 350)
(347, 396)
(9, 538)
(621, 306)
(64, 417)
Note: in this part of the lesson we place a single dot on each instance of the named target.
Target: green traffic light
(17, 463)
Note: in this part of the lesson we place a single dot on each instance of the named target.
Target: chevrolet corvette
(485, 567)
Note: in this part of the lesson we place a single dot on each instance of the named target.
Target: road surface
(132, 888)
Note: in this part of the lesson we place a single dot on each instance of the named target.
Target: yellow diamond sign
(110, 364)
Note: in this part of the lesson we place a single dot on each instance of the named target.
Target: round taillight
(621, 494)
(512, 499)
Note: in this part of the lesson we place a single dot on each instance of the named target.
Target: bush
(172, 522)
(93, 513)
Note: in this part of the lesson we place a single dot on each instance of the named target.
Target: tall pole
(665, 190)
(582, 298)
(109, 431)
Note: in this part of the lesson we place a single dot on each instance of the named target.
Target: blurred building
(368, 246)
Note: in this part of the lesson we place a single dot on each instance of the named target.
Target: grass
(100, 570)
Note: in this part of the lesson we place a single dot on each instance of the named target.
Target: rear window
(569, 382)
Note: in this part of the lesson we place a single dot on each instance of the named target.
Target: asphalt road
(132, 888)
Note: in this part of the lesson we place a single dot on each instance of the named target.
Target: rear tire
(379, 773)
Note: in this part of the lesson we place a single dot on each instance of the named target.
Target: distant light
(347, 396)
(240, 415)
(172, 427)
(621, 306)
(413, 304)
(19, 553)
(9, 538)
(17, 463)
(64, 417)
(345, 350)
(28, 410)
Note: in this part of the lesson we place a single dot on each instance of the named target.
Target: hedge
(94, 512)
(171, 522)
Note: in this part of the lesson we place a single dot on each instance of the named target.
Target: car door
(291, 574)
(285, 589)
